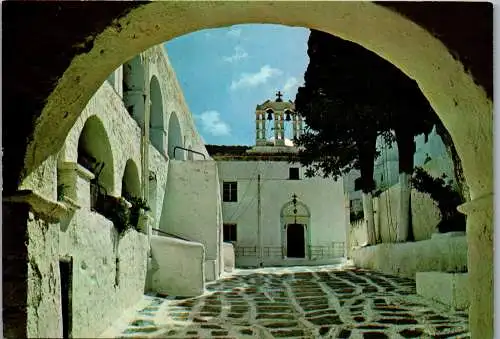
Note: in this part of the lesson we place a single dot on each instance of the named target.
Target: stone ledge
(443, 254)
(49, 209)
(447, 288)
(79, 169)
(483, 202)
(70, 203)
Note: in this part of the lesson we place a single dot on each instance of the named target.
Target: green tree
(350, 97)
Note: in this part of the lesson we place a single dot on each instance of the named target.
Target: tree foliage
(350, 97)
(446, 198)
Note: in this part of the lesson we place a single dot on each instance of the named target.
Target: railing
(273, 251)
(189, 150)
(169, 234)
(336, 250)
(245, 251)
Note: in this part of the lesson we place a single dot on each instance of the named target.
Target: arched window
(175, 137)
(94, 153)
(157, 118)
(131, 185)
(133, 88)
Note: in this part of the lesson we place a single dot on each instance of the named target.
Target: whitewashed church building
(272, 213)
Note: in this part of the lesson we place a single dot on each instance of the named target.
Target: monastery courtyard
(296, 302)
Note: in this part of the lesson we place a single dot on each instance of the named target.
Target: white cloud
(290, 86)
(239, 53)
(212, 123)
(234, 32)
(255, 79)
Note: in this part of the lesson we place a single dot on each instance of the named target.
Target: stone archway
(94, 153)
(133, 88)
(88, 55)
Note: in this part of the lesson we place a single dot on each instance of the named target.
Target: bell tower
(281, 112)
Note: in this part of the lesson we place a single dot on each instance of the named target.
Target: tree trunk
(406, 149)
(366, 160)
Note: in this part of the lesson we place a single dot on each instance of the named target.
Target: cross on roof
(279, 95)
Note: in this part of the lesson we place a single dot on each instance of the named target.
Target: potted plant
(139, 207)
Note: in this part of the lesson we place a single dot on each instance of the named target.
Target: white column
(276, 128)
(480, 265)
(282, 128)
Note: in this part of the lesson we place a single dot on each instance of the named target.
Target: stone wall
(228, 250)
(191, 211)
(321, 207)
(44, 284)
(424, 211)
(15, 270)
(173, 99)
(109, 270)
(448, 288)
(442, 253)
(178, 266)
(158, 169)
(122, 132)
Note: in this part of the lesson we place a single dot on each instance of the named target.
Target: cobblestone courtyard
(305, 302)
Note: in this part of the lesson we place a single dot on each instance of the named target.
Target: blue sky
(225, 72)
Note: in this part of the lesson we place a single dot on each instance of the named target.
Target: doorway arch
(295, 229)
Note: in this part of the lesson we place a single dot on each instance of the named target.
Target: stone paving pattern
(305, 303)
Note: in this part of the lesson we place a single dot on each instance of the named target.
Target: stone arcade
(83, 272)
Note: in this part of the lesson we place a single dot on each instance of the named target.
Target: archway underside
(463, 107)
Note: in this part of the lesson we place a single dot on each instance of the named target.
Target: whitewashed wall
(124, 135)
(93, 243)
(424, 210)
(387, 164)
(158, 169)
(443, 254)
(190, 208)
(173, 100)
(178, 267)
(425, 217)
(89, 238)
(323, 197)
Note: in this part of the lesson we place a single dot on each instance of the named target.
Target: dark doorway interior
(295, 242)
(66, 271)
